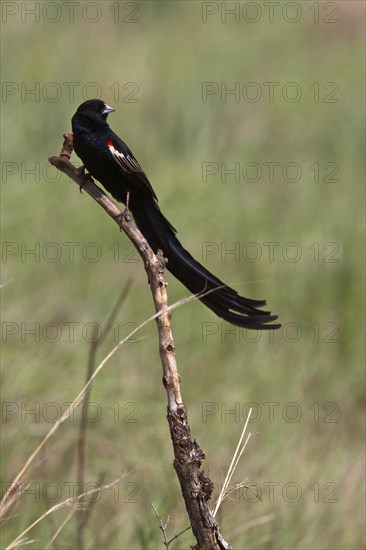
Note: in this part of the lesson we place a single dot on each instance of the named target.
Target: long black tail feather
(224, 301)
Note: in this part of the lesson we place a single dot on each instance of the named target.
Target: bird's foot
(123, 216)
(81, 173)
(126, 213)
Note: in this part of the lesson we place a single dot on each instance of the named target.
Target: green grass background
(168, 53)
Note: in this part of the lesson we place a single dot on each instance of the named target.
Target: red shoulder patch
(109, 142)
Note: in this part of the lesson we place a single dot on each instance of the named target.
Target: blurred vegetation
(315, 362)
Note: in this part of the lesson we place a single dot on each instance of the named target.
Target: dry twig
(196, 487)
(163, 527)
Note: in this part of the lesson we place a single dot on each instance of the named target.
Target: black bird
(110, 161)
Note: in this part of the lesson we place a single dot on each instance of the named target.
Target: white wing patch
(127, 163)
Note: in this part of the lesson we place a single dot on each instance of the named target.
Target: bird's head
(95, 110)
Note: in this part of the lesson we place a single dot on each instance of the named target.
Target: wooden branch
(196, 487)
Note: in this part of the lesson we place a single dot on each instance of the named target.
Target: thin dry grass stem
(3, 285)
(66, 520)
(163, 527)
(12, 493)
(235, 488)
(234, 462)
(86, 513)
(44, 476)
(83, 517)
(24, 542)
(73, 501)
(262, 520)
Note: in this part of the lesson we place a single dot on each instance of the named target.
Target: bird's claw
(125, 215)
(81, 173)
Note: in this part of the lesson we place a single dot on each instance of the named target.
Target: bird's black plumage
(110, 161)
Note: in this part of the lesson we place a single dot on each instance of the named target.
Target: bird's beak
(107, 109)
